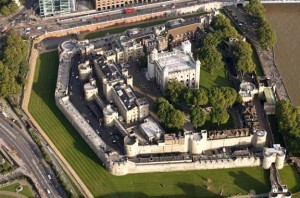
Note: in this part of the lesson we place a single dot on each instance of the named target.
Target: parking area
(110, 136)
(142, 86)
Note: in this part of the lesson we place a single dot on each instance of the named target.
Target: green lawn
(12, 188)
(100, 182)
(289, 177)
(218, 78)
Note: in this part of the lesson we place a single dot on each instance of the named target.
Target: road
(26, 150)
(51, 24)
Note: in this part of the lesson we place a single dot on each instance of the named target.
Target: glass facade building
(56, 7)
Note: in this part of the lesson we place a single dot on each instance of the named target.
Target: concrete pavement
(31, 163)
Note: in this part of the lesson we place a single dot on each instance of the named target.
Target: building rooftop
(88, 86)
(183, 30)
(152, 129)
(175, 61)
(270, 97)
(126, 94)
(276, 149)
(109, 69)
(142, 101)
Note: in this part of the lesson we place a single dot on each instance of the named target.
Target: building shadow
(125, 195)
(188, 189)
(246, 182)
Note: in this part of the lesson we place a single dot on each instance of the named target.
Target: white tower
(186, 47)
(197, 75)
(165, 78)
(151, 58)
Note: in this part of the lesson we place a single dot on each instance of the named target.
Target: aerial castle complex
(143, 144)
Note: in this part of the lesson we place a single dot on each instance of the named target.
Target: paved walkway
(266, 58)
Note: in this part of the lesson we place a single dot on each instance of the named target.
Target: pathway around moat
(25, 102)
(266, 59)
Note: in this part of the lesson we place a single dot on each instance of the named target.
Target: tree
(211, 40)
(266, 35)
(242, 55)
(219, 115)
(230, 96)
(200, 97)
(175, 90)
(175, 120)
(198, 117)
(211, 58)
(223, 28)
(7, 82)
(163, 107)
(12, 7)
(172, 118)
(193, 97)
(188, 97)
(216, 97)
(15, 51)
(288, 117)
(5, 11)
(255, 8)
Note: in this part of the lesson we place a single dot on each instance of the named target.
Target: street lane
(25, 151)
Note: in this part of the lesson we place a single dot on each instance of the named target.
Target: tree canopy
(198, 117)
(266, 35)
(222, 97)
(242, 56)
(288, 118)
(211, 58)
(168, 115)
(255, 8)
(174, 90)
(13, 64)
(8, 7)
(219, 115)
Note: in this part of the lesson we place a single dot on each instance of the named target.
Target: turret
(197, 75)
(131, 146)
(151, 58)
(259, 139)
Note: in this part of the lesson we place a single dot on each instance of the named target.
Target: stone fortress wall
(194, 143)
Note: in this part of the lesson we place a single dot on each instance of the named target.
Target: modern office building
(111, 4)
(56, 7)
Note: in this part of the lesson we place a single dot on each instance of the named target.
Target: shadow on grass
(188, 189)
(246, 182)
(44, 87)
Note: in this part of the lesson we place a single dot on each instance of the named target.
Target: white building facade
(178, 64)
